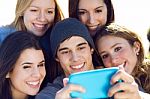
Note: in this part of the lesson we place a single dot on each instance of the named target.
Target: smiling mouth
(33, 84)
(40, 26)
(77, 67)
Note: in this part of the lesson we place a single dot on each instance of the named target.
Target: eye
(81, 48)
(104, 56)
(81, 12)
(98, 11)
(41, 64)
(117, 49)
(33, 10)
(65, 52)
(26, 67)
(50, 12)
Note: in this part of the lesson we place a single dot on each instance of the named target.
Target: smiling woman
(21, 74)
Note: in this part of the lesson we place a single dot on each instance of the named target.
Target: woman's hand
(64, 93)
(127, 89)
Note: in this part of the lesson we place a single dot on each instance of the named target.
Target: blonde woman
(37, 17)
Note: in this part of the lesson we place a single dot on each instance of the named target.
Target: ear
(137, 46)
(92, 50)
(57, 59)
(8, 75)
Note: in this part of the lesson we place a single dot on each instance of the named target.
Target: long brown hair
(141, 72)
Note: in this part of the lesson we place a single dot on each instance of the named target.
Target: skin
(74, 57)
(27, 74)
(116, 51)
(39, 16)
(92, 13)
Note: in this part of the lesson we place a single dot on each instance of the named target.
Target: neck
(16, 94)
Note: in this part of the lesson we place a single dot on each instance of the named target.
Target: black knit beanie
(65, 29)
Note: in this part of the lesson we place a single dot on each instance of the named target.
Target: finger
(65, 81)
(122, 75)
(64, 93)
(125, 95)
(73, 87)
(121, 67)
(123, 88)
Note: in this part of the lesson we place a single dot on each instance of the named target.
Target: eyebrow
(99, 7)
(42, 61)
(38, 7)
(110, 47)
(65, 48)
(95, 8)
(31, 63)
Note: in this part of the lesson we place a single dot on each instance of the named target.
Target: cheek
(103, 19)
(83, 19)
(43, 72)
(28, 19)
(64, 62)
(51, 18)
(107, 63)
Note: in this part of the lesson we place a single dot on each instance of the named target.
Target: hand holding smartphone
(96, 82)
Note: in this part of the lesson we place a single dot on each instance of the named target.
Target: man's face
(75, 55)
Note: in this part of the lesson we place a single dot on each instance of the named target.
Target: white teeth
(78, 66)
(33, 83)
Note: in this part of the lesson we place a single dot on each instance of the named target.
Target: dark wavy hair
(10, 50)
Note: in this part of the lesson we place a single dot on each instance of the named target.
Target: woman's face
(92, 13)
(28, 73)
(39, 16)
(116, 51)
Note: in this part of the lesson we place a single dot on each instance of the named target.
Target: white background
(134, 14)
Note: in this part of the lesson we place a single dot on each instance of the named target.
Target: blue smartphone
(96, 82)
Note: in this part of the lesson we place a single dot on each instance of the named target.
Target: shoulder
(51, 89)
(5, 31)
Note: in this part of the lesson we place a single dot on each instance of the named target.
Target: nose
(42, 16)
(114, 60)
(91, 18)
(75, 56)
(36, 73)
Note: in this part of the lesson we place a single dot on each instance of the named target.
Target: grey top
(50, 91)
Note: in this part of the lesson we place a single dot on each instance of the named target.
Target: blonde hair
(21, 7)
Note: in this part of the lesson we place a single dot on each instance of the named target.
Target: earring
(137, 53)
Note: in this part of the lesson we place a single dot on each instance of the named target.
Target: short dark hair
(10, 50)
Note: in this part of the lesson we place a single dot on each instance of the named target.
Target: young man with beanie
(72, 47)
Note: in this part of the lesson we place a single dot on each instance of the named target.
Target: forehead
(110, 41)
(40, 3)
(72, 42)
(30, 54)
(90, 3)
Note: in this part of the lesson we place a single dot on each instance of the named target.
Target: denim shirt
(5, 31)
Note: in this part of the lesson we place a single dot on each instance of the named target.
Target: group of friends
(38, 51)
